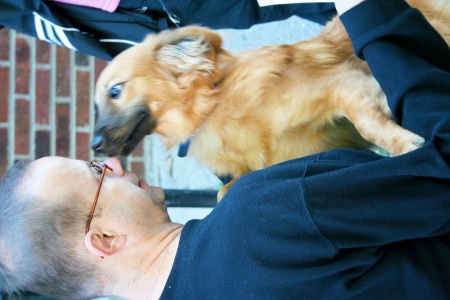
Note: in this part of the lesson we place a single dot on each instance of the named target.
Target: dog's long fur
(248, 111)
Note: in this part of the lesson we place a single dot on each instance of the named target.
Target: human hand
(343, 5)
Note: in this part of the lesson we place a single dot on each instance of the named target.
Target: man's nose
(115, 164)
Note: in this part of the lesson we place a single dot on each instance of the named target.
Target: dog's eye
(115, 91)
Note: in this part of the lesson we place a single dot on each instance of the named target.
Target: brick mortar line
(41, 66)
(23, 96)
(49, 127)
(11, 109)
(41, 127)
(52, 100)
(148, 162)
(83, 129)
(63, 100)
(83, 68)
(73, 106)
(132, 158)
(32, 94)
(91, 102)
(21, 156)
(22, 35)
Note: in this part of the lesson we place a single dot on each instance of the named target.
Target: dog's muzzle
(97, 144)
(119, 135)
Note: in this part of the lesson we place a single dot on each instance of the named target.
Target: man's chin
(156, 193)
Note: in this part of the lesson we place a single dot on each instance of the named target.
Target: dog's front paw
(224, 189)
(222, 193)
(407, 144)
(419, 142)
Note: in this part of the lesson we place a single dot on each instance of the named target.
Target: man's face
(125, 202)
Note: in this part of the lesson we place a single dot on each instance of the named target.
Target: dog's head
(162, 85)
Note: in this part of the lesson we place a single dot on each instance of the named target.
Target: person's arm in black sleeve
(85, 29)
(410, 60)
(367, 201)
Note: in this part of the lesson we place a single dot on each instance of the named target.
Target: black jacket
(104, 35)
(342, 224)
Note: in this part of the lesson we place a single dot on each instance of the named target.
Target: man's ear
(104, 243)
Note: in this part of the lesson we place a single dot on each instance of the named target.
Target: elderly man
(337, 225)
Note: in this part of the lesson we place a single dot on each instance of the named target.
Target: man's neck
(153, 269)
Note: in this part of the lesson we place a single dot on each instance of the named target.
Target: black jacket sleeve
(104, 34)
(358, 199)
(88, 30)
(410, 60)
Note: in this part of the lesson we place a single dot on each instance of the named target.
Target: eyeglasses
(100, 167)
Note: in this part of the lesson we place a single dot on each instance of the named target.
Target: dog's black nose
(97, 143)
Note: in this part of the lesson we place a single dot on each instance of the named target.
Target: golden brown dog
(248, 111)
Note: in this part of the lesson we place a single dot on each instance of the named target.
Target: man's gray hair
(37, 253)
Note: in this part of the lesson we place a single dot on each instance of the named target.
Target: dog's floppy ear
(186, 55)
(189, 49)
